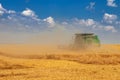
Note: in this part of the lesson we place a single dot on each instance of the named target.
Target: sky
(37, 21)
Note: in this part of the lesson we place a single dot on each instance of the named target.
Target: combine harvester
(86, 40)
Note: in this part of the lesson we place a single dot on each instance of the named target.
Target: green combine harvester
(83, 40)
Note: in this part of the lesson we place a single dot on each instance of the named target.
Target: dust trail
(105, 55)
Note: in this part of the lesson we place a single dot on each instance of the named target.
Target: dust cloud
(54, 40)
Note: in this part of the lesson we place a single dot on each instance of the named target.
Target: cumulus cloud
(5, 11)
(9, 17)
(50, 20)
(1, 7)
(109, 18)
(1, 13)
(30, 13)
(64, 23)
(92, 25)
(91, 6)
(28, 22)
(111, 3)
(11, 11)
(33, 20)
(2, 10)
(110, 28)
(117, 22)
(88, 22)
(22, 25)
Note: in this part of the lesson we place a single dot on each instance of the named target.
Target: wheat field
(36, 62)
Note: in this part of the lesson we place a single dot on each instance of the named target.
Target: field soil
(43, 62)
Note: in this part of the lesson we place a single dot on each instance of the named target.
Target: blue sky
(63, 8)
(36, 17)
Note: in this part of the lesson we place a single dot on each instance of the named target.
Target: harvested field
(31, 62)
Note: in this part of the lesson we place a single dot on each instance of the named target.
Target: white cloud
(11, 11)
(1, 7)
(88, 22)
(109, 18)
(91, 6)
(28, 12)
(117, 22)
(94, 25)
(2, 10)
(70, 27)
(111, 3)
(50, 20)
(110, 28)
(9, 17)
(64, 23)
(1, 13)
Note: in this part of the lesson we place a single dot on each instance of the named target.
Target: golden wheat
(55, 64)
